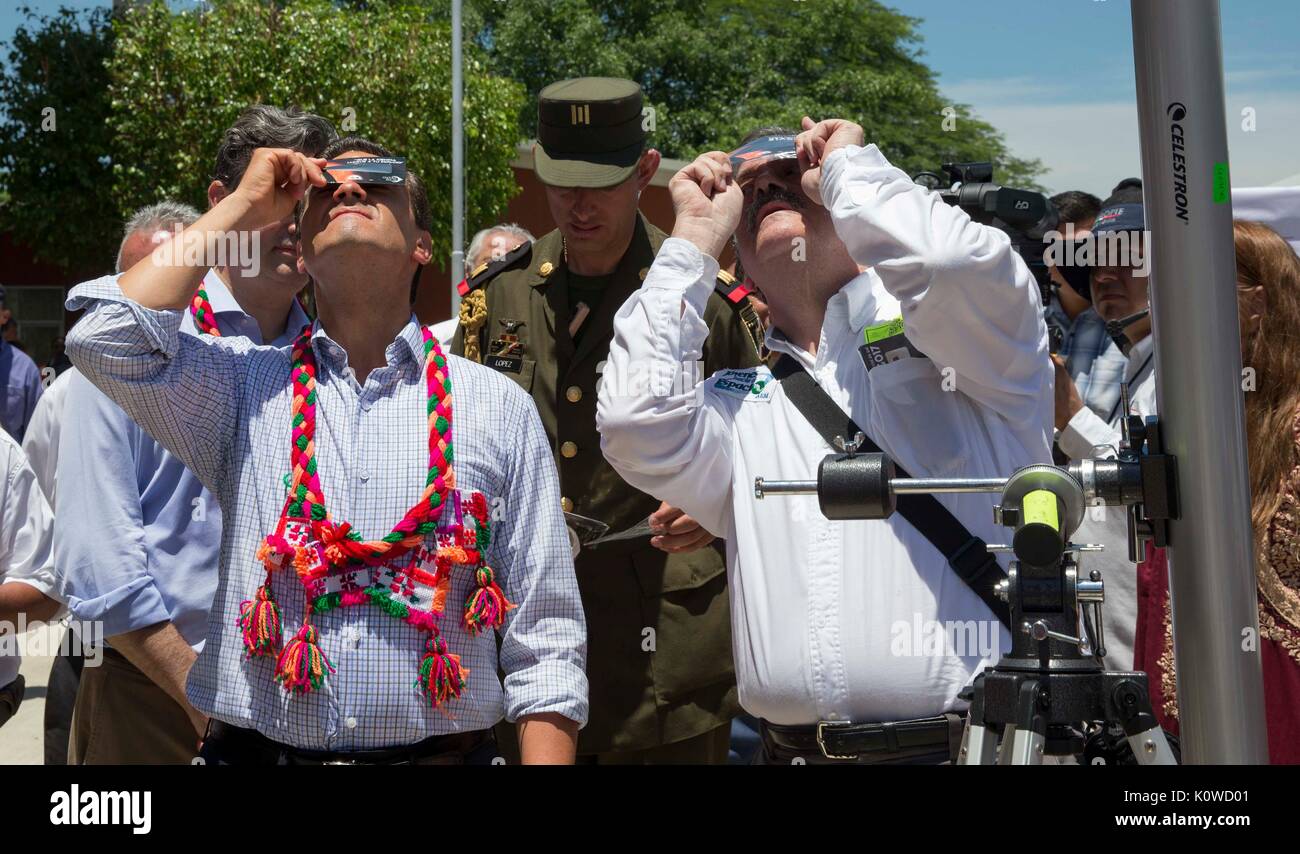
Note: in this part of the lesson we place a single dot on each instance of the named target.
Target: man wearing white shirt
(26, 562)
(1119, 291)
(824, 612)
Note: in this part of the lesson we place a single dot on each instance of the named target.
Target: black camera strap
(964, 551)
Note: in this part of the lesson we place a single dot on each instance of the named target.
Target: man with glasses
(937, 351)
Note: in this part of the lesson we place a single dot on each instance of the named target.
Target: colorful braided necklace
(204, 317)
(335, 549)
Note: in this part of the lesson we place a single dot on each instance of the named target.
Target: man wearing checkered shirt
(369, 630)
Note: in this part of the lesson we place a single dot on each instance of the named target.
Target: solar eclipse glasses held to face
(366, 171)
(748, 161)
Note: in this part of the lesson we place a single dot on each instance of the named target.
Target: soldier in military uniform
(659, 638)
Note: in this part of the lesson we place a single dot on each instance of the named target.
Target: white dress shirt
(823, 612)
(41, 442)
(1108, 526)
(26, 538)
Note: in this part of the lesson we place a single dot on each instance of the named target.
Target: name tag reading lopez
(884, 343)
(513, 364)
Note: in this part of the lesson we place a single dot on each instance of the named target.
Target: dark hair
(768, 130)
(414, 186)
(1125, 194)
(1076, 205)
(1126, 184)
(265, 126)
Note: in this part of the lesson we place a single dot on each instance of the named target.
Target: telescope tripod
(1049, 696)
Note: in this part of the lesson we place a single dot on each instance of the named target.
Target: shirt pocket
(913, 414)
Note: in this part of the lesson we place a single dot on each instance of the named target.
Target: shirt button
(566, 505)
(568, 450)
(573, 394)
(350, 723)
(365, 475)
(365, 405)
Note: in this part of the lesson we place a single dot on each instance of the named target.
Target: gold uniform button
(573, 394)
(645, 271)
(568, 450)
(566, 505)
(546, 268)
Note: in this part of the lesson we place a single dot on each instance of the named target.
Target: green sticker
(1040, 506)
(1222, 190)
(884, 330)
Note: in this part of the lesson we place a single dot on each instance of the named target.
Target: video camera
(1025, 215)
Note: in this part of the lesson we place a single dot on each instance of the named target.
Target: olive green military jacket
(659, 657)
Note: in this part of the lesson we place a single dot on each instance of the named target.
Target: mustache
(779, 194)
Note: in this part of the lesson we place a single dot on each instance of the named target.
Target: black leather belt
(246, 746)
(850, 741)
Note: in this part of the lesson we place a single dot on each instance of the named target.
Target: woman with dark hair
(1268, 302)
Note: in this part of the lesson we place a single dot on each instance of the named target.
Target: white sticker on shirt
(751, 384)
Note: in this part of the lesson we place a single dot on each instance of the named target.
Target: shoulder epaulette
(483, 273)
(733, 290)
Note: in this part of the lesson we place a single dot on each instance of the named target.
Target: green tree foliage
(381, 71)
(714, 70)
(55, 143)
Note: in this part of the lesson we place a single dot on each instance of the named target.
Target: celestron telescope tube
(1179, 63)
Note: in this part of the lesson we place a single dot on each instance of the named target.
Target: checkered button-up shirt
(223, 409)
(1095, 363)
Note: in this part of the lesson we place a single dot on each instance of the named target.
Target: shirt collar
(856, 301)
(408, 345)
(223, 302)
(1138, 353)
(294, 325)
(219, 296)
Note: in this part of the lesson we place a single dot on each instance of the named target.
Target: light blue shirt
(21, 382)
(223, 408)
(137, 537)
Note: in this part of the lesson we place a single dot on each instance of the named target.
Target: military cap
(589, 132)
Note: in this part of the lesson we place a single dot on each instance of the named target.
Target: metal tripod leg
(1151, 747)
(1145, 737)
(1031, 728)
(978, 742)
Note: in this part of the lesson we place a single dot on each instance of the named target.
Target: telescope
(1049, 696)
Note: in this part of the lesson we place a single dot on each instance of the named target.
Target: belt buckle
(821, 742)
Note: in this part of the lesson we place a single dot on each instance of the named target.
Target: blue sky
(1056, 77)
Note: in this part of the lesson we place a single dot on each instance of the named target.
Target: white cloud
(1091, 145)
(998, 90)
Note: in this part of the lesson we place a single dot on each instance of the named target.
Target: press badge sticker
(884, 343)
(745, 384)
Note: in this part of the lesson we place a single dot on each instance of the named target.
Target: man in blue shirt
(19, 378)
(137, 536)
